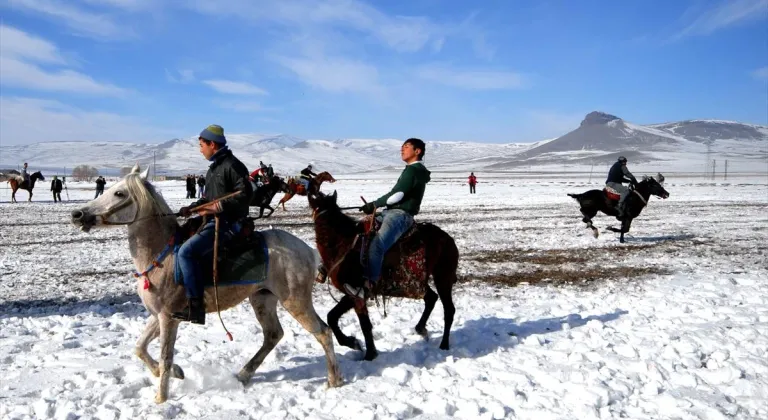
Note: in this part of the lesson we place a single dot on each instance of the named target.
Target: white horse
(133, 202)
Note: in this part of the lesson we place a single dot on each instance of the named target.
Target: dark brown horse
(297, 188)
(436, 255)
(594, 201)
(262, 196)
(17, 183)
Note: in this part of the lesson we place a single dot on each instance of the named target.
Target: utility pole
(714, 164)
(725, 174)
(154, 164)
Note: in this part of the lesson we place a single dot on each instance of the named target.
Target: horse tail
(575, 196)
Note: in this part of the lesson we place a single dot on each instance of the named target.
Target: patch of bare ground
(561, 277)
(553, 256)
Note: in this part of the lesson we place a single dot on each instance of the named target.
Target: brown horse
(17, 183)
(427, 251)
(295, 187)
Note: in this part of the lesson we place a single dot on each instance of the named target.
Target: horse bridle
(104, 217)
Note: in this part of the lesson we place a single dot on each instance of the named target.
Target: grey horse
(133, 202)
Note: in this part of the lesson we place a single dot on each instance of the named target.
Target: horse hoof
(371, 355)
(335, 383)
(423, 333)
(595, 233)
(244, 377)
(445, 346)
(159, 399)
(177, 372)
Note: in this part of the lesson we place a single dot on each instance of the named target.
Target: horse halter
(105, 216)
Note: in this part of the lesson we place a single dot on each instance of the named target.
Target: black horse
(593, 201)
(262, 196)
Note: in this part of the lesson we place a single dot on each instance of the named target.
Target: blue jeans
(393, 225)
(195, 250)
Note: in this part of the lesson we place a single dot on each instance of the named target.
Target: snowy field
(551, 323)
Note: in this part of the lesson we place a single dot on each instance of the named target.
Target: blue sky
(491, 70)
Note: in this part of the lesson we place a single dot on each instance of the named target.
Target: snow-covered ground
(672, 324)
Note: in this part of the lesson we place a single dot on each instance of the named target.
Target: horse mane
(146, 197)
(339, 222)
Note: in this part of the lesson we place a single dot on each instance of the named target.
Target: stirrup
(187, 314)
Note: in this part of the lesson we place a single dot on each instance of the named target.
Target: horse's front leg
(345, 304)
(151, 332)
(588, 220)
(168, 329)
(365, 324)
(625, 224)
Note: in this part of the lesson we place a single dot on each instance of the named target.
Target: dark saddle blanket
(244, 259)
(404, 272)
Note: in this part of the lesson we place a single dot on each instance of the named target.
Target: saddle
(404, 270)
(611, 193)
(243, 256)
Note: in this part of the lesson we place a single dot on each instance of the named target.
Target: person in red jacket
(472, 182)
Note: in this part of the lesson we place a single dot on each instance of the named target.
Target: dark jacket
(201, 181)
(617, 174)
(56, 185)
(412, 183)
(100, 182)
(225, 176)
(307, 173)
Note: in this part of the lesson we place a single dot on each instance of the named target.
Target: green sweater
(412, 183)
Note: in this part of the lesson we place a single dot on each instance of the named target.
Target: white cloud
(29, 120)
(240, 106)
(334, 74)
(472, 79)
(16, 43)
(234, 88)
(18, 54)
(761, 73)
(82, 22)
(184, 76)
(727, 13)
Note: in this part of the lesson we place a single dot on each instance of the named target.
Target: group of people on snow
(227, 174)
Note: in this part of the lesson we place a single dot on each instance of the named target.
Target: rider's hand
(184, 211)
(368, 208)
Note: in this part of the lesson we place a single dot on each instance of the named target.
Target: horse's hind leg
(303, 312)
(445, 277)
(588, 216)
(430, 298)
(264, 303)
(365, 324)
(345, 304)
(151, 332)
(168, 329)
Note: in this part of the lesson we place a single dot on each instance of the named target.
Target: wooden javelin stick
(193, 209)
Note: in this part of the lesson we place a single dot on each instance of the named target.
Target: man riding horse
(25, 175)
(617, 175)
(225, 175)
(306, 176)
(403, 203)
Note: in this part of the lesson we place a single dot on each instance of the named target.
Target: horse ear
(136, 168)
(334, 195)
(144, 174)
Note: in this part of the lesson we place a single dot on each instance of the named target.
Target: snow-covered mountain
(600, 138)
(680, 146)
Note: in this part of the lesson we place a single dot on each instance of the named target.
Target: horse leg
(430, 298)
(168, 329)
(588, 216)
(264, 303)
(624, 228)
(367, 327)
(30, 196)
(304, 312)
(271, 210)
(345, 304)
(151, 332)
(444, 292)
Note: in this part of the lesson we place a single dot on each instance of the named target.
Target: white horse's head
(130, 200)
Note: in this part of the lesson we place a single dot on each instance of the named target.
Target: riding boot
(194, 312)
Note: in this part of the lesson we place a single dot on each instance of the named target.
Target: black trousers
(471, 189)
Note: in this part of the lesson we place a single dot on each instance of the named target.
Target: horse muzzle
(83, 219)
